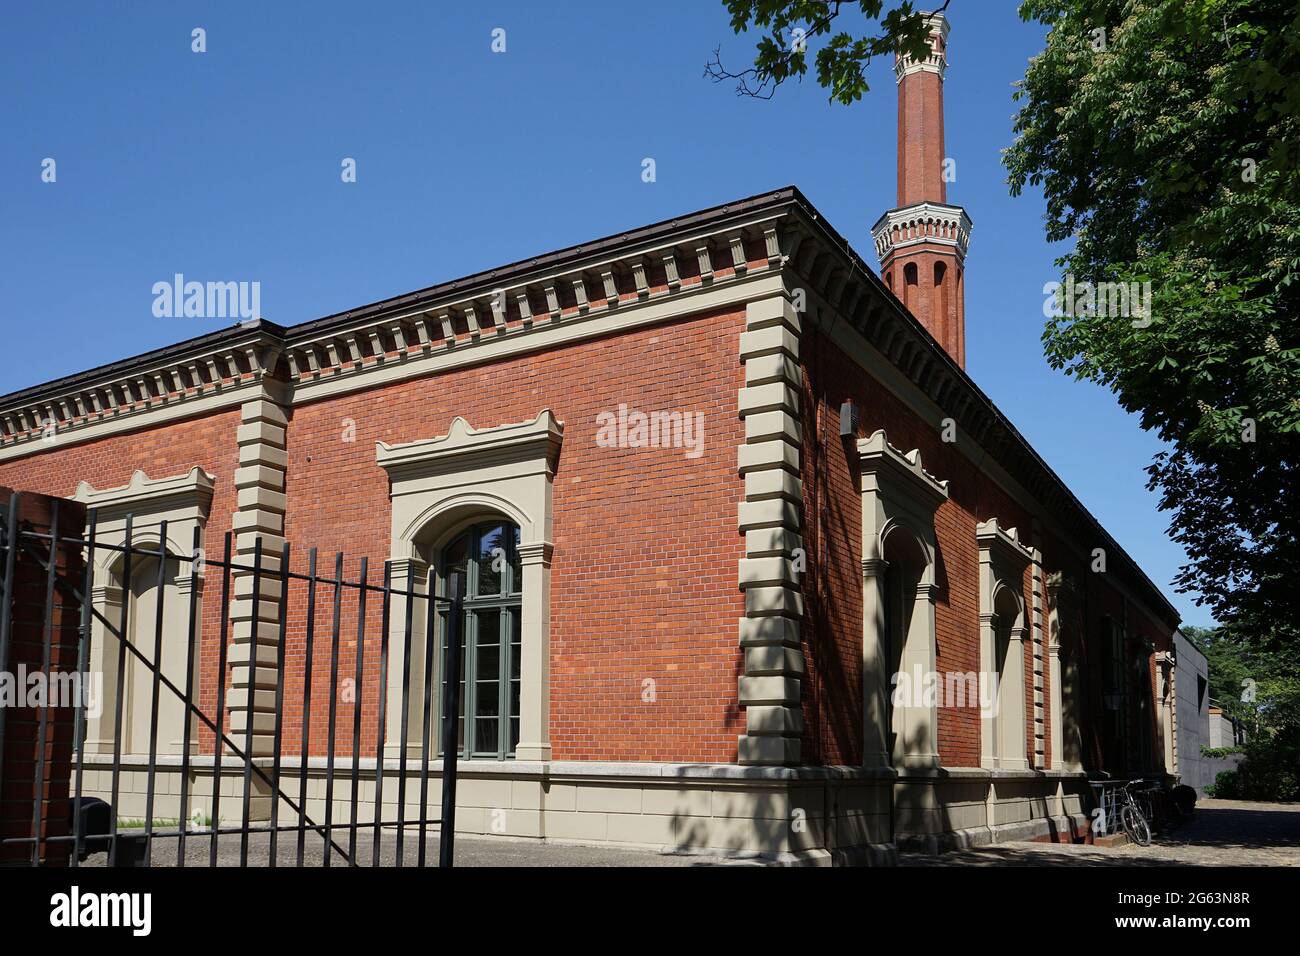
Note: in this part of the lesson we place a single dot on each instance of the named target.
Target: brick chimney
(922, 243)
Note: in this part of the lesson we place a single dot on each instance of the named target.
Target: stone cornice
(210, 370)
(1002, 544)
(536, 439)
(878, 456)
(192, 488)
(923, 223)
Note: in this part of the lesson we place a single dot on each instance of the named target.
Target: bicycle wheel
(1135, 825)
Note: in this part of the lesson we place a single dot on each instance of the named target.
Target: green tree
(1165, 136)
(1259, 686)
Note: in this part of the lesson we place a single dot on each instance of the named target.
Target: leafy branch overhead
(1165, 137)
(849, 34)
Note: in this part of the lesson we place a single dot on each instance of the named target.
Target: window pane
(454, 562)
(485, 735)
(492, 557)
(516, 566)
(460, 724)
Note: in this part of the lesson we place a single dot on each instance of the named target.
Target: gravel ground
(1223, 833)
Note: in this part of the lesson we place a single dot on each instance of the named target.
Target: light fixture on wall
(848, 419)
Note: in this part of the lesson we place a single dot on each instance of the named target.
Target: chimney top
(922, 243)
(937, 61)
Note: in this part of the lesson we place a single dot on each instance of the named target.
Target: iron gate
(53, 550)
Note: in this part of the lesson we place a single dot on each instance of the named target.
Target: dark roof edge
(712, 218)
(249, 330)
(819, 222)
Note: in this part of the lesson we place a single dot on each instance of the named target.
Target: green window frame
(486, 557)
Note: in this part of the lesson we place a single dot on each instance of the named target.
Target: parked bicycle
(1136, 811)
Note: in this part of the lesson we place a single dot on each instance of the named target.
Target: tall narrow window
(1115, 699)
(910, 287)
(485, 558)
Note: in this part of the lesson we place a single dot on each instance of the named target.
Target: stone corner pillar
(255, 615)
(769, 518)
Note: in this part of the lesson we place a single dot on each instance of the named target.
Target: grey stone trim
(1037, 633)
(769, 517)
(259, 515)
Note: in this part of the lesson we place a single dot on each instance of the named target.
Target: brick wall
(643, 575)
(833, 530)
(27, 771)
(646, 543)
(161, 451)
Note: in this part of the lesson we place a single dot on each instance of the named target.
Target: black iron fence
(93, 785)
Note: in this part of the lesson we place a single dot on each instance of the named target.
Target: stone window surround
(184, 502)
(438, 486)
(898, 496)
(1003, 560)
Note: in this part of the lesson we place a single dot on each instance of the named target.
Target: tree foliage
(1165, 135)
(790, 27)
(1259, 687)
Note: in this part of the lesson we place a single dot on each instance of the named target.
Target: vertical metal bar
(83, 664)
(6, 608)
(383, 712)
(279, 703)
(451, 716)
(124, 635)
(430, 615)
(306, 704)
(251, 699)
(358, 696)
(333, 707)
(47, 642)
(191, 638)
(160, 587)
(406, 714)
(221, 702)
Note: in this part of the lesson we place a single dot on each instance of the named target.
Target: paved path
(470, 851)
(1224, 833)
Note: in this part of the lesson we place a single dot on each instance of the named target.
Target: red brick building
(780, 577)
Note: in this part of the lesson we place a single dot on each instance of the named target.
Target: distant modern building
(1191, 727)
(1224, 731)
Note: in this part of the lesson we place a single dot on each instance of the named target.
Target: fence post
(450, 719)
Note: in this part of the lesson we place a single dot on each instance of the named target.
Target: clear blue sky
(225, 166)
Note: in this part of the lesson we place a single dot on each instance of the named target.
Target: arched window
(911, 287)
(485, 558)
(149, 639)
(181, 502)
(905, 645)
(1004, 560)
(1008, 737)
(899, 567)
